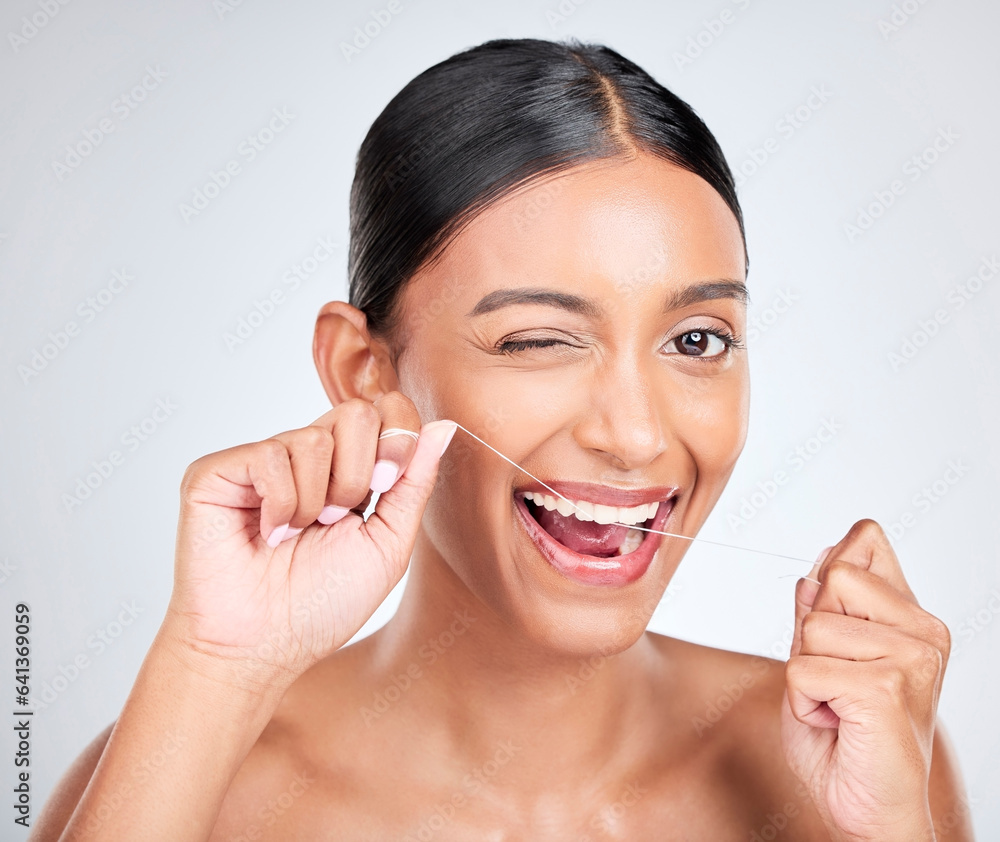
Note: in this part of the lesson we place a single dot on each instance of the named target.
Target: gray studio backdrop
(175, 191)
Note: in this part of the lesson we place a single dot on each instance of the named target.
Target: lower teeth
(631, 543)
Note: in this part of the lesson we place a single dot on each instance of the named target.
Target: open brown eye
(699, 343)
(694, 343)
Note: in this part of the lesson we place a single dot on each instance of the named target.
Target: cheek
(712, 424)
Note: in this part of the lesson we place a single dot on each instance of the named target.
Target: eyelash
(513, 346)
(731, 341)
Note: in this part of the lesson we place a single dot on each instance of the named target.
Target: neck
(480, 687)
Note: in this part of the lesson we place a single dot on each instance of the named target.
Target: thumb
(805, 594)
(393, 524)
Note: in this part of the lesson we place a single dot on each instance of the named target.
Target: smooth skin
(504, 701)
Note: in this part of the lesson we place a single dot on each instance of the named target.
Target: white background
(893, 77)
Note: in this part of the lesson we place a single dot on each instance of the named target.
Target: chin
(596, 592)
(571, 586)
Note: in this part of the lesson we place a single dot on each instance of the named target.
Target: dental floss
(398, 431)
(394, 431)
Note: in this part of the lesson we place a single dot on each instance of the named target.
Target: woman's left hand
(862, 686)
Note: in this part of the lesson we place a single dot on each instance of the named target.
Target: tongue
(584, 537)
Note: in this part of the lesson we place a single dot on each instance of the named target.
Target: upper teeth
(594, 511)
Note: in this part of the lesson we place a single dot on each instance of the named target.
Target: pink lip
(589, 570)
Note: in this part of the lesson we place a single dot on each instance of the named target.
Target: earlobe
(350, 363)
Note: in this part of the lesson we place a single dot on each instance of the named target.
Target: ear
(350, 362)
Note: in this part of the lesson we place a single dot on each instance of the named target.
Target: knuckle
(867, 526)
(810, 626)
(939, 633)
(359, 410)
(889, 683)
(927, 660)
(795, 669)
(191, 473)
(315, 438)
(870, 530)
(396, 401)
(839, 573)
(190, 479)
(271, 455)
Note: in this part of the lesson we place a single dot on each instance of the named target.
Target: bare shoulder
(268, 792)
(731, 710)
(304, 768)
(729, 694)
(733, 705)
(60, 805)
(278, 787)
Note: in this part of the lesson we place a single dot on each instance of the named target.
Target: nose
(624, 422)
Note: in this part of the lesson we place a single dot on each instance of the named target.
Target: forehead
(613, 219)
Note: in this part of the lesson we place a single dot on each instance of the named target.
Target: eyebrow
(693, 294)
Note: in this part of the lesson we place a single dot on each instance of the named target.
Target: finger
(310, 450)
(849, 589)
(852, 639)
(394, 523)
(397, 441)
(805, 594)
(257, 475)
(817, 689)
(354, 426)
(867, 546)
(822, 691)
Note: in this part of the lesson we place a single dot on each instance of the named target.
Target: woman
(547, 248)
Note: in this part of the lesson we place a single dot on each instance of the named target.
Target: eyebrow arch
(705, 291)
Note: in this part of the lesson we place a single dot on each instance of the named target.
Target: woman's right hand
(275, 607)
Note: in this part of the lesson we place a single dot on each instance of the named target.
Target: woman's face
(580, 326)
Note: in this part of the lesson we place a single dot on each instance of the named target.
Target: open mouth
(570, 527)
(594, 543)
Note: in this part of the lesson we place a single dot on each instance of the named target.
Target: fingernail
(448, 438)
(331, 514)
(442, 430)
(823, 555)
(807, 591)
(277, 535)
(291, 532)
(384, 475)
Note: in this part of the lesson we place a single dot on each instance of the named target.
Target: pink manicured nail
(291, 532)
(384, 475)
(447, 441)
(277, 535)
(823, 555)
(432, 429)
(331, 514)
